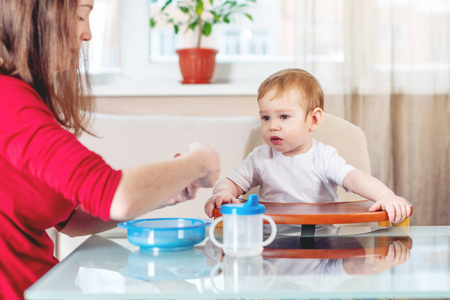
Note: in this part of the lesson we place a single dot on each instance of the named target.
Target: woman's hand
(147, 187)
(209, 163)
(189, 193)
(212, 165)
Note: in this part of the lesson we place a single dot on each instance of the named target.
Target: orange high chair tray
(323, 213)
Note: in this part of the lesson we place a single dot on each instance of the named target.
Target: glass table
(394, 262)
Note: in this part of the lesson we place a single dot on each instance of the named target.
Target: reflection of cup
(242, 274)
(243, 228)
(148, 265)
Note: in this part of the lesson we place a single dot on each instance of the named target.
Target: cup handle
(214, 271)
(272, 274)
(273, 232)
(211, 232)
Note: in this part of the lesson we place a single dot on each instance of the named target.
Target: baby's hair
(286, 80)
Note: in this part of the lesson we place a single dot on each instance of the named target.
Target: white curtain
(390, 76)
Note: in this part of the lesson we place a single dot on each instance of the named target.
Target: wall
(181, 106)
(408, 137)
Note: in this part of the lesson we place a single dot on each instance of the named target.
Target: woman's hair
(281, 82)
(38, 45)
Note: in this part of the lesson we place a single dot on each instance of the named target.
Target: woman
(49, 179)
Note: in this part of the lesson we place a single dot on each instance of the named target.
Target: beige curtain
(390, 76)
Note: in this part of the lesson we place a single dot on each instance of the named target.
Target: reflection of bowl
(146, 265)
(167, 234)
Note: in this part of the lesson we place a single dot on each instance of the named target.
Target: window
(342, 42)
(105, 44)
(267, 40)
(241, 40)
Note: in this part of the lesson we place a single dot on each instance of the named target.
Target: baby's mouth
(276, 139)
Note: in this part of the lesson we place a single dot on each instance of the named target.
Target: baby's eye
(265, 118)
(284, 117)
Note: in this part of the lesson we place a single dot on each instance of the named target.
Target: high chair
(351, 143)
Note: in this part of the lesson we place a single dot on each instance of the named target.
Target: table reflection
(317, 263)
(242, 274)
(148, 265)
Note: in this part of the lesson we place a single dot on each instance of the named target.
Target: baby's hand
(397, 254)
(397, 208)
(217, 200)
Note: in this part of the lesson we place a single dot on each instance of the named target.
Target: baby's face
(283, 124)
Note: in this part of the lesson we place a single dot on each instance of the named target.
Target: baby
(292, 166)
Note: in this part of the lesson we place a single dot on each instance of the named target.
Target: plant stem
(200, 30)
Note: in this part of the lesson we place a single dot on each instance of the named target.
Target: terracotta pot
(197, 64)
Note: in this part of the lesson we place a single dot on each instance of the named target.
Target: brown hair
(286, 80)
(36, 38)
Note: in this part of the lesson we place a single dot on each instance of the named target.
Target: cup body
(243, 228)
(242, 235)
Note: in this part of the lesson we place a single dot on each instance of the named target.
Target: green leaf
(199, 7)
(176, 28)
(226, 18)
(207, 28)
(184, 9)
(250, 17)
(193, 25)
(166, 4)
(231, 3)
(152, 22)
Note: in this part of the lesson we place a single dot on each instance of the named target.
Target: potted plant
(197, 64)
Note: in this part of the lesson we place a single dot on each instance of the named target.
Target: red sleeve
(33, 141)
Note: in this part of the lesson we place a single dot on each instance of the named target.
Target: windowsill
(114, 85)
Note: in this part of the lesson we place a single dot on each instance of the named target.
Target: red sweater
(45, 173)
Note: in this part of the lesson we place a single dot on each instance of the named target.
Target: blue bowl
(166, 234)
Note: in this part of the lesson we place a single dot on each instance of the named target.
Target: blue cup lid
(251, 207)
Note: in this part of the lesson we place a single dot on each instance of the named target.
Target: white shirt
(308, 177)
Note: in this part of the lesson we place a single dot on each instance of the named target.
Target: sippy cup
(243, 228)
(243, 274)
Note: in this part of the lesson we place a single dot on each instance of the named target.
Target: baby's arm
(225, 191)
(371, 188)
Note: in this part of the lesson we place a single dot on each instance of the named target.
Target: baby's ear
(316, 118)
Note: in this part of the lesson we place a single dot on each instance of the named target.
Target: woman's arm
(81, 223)
(145, 188)
(157, 181)
(371, 188)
